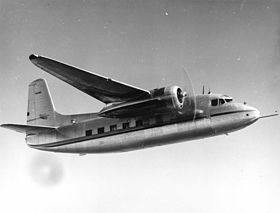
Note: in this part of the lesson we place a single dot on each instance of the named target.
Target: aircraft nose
(257, 113)
(254, 113)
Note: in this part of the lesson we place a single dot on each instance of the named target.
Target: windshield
(228, 100)
(220, 101)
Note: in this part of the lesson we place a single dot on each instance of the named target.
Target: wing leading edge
(102, 88)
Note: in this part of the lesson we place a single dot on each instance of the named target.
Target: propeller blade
(189, 93)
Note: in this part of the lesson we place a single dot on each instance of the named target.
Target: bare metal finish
(133, 119)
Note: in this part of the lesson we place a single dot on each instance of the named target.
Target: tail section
(40, 110)
(43, 121)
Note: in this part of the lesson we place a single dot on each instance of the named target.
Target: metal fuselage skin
(90, 133)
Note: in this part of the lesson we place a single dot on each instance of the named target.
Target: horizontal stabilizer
(27, 128)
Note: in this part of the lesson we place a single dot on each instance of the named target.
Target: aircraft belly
(139, 139)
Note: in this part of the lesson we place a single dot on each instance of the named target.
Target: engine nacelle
(164, 100)
(173, 97)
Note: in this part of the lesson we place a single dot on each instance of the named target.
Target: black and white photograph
(140, 106)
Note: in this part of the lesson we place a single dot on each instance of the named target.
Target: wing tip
(33, 57)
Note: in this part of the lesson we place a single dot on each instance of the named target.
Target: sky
(232, 47)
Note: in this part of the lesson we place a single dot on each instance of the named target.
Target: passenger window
(113, 128)
(214, 102)
(139, 123)
(88, 132)
(221, 101)
(159, 119)
(100, 130)
(125, 125)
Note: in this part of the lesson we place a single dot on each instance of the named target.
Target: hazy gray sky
(233, 47)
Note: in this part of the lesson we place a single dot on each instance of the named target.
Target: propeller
(188, 94)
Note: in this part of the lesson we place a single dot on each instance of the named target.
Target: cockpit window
(221, 101)
(214, 102)
(228, 100)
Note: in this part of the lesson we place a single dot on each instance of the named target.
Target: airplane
(132, 118)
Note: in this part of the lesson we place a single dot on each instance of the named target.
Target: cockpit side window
(214, 102)
(221, 101)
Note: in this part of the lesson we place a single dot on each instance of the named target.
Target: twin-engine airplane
(132, 119)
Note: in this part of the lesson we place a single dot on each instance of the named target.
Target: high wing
(102, 88)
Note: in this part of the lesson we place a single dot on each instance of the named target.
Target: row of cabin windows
(125, 125)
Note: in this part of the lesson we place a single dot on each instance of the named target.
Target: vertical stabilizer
(40, 109)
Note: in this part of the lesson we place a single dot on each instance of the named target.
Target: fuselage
(132, 118)
(217, 114)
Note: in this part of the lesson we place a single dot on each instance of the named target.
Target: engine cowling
(173, 96)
